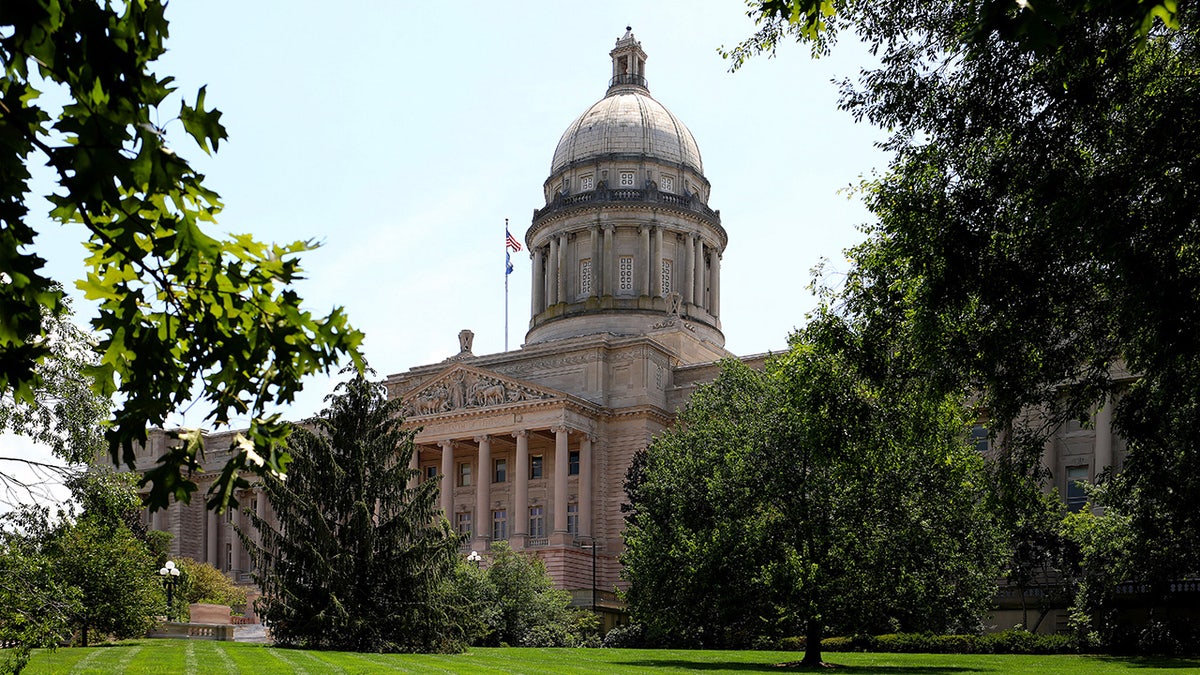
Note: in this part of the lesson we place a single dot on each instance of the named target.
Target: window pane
(535, 466)
(573, 463)
(501, 471)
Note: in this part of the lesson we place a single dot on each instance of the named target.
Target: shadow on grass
(1153, 662)
(795, 667)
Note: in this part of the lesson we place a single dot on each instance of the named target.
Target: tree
(817, 493)
(181, 311)
(1035, 230)
(359, 558)
(525, 609)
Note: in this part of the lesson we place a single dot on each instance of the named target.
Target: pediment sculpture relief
(466, 389)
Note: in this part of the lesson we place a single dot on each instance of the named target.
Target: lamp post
(170, 577)
(474, 558)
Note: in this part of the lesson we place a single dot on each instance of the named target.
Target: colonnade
(696, 277)
(555, 486)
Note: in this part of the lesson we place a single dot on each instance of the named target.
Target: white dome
(627, 122)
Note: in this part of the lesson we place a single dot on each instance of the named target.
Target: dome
(627, 121)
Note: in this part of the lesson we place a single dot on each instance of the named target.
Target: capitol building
(531, 446)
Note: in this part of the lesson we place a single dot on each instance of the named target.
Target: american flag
(511, 241)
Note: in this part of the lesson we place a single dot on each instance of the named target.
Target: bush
(1006, 642)
(629, 636)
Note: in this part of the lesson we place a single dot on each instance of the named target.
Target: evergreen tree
(359, 560)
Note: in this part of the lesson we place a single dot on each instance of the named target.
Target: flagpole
(506, 273)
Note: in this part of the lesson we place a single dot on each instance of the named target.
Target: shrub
(624, 637)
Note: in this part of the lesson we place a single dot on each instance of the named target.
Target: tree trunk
(812, 644)
(83, 634)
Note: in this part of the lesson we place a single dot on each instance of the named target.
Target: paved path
(254, 632)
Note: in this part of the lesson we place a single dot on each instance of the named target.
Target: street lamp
(474, 558)
(170, 577)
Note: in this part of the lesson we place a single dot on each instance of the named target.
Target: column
(656, 271)
(563, 269)
(447, 483)
(1050, 458)
(1104, 445)
(260, 512)
(520, 507)
(483, 485)
(213, 529)
(610, 261)
(643, 264)
(414, 468)
(714, 284)
(539, 283)
(558, 500)
(236, 542)
(552, 273)
(699, 267)
(594, 233)
(689, 270)
(585, 486)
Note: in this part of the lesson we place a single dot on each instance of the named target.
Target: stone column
(447, 479)
(538, 301)
(260, 511)
(235, 542)
(714, 284)
(643, 285)
(1104, 444)
(698, 294)
(1050, 458)
(656, 272)
(594, 233)
(689, 271)
(214, 539)
(585, 486)
(558, 500)
(520, 507)
(563, 269)
(414, 467)
(552, 273)
(610, 260)
(483, 486)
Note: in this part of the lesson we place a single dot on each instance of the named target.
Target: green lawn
(204, 658)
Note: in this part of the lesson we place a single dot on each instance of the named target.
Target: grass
(205, 657)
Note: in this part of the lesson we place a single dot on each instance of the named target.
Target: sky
(401, 135)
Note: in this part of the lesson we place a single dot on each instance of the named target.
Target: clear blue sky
(401, 135)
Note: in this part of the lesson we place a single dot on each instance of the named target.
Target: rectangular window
(228, 557)
(979, 438)
(535, 466)
(585, 184)
(566, 184)
(666, 277)
(464, 474)
(585, 277)
(537, 521)
(573, 463)
(500, 475)
(573, 519)
(627, 179)
(463, 524)
(625, 272)
(1076, 497)
(667, 184)
(499, 525)
(430, 472)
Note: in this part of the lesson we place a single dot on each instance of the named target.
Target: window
(537, 521)
(573, 519)
(463, 524)
(430, 472)
(566, 184)
(625, 272)
(535, 466)
(464, 475)
(979, 437)
(499, 525)
(228, 557)
(626, 179)
(585, 184)
(1076, 497)
(573, 463)
(585, 277)
(500, 475)
(667, 184)
(666, 277)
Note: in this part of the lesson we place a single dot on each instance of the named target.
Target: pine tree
(359, 560)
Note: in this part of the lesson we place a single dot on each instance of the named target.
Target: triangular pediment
(462, 387)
